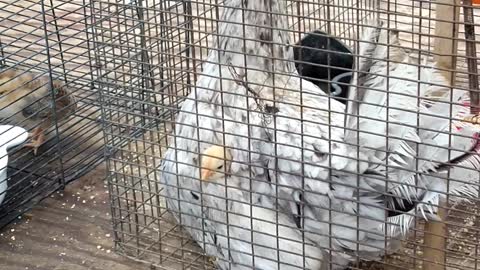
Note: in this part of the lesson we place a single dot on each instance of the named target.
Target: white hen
(289, 138)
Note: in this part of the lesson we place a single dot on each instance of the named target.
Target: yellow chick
(26, 101)
(215, 163)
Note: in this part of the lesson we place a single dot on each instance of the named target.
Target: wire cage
(46, 77)
(158, 63)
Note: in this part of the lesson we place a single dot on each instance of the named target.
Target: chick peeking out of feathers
(26, 101)
(215, 163)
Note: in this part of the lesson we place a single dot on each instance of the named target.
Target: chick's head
(215, 163)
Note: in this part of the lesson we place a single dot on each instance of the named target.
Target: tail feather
(401, 125)
(366, 49)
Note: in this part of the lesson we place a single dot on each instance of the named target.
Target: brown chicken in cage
(26, 100)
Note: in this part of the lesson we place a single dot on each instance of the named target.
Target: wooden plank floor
(71, 230)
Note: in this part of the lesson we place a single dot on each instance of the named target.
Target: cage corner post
(447, 13)
(445, 47)
(435, 240)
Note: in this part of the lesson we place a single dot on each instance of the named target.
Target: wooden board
(71, 230)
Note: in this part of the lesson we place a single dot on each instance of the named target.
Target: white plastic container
(10, 136)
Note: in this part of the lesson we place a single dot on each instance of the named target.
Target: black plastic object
(321, 58)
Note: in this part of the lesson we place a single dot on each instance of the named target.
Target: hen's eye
(220, 167)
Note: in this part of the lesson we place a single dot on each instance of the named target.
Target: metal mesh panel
(155, 72)
(45, 56)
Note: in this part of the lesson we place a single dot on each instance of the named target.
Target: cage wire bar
(47, 44)
(139, 93)
(150, 54)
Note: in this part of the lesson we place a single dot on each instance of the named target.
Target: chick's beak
(205, 174)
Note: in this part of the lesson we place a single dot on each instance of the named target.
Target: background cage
(51, 39)
(151, 53)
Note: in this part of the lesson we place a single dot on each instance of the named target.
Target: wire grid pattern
(50, 40)
(151, 53)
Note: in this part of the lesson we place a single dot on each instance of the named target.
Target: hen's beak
(205, 174)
